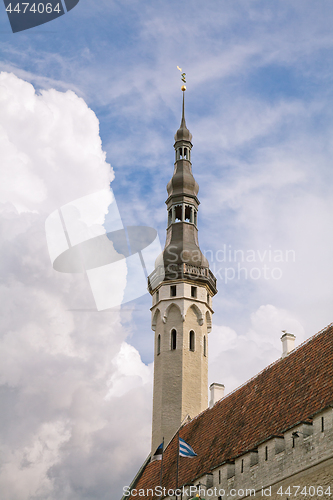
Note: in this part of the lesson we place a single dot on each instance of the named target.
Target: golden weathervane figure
(183, 76)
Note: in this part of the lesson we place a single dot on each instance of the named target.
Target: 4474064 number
(28, 7)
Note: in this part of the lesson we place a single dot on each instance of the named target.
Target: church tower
(182, 287)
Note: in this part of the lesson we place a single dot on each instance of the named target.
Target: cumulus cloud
(68, 379)
(50, 147)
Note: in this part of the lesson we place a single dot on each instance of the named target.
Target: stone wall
(281, 468)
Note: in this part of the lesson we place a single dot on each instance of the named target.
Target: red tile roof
(289, 391)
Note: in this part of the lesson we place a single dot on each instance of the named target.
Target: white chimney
(288, 343)
(216, 393)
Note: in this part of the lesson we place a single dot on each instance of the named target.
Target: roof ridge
(263, 370)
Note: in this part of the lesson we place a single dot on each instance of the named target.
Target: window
(194, 292)
(192, 340)
(173, 340)
(242, 466)
(157, 295)
(188, 213)
(322, 424)
(173, 291)
(266, 453)
(208, 298)
(220, 476)
(195, 217)
(158, 344)
(204, 347)
(178, 213)
(170, 217)
(293, 442)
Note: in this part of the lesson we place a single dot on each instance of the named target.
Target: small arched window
(158, 344)
(178, 213)
(204, 346)
(173, 339)
(170, 216)
(192, 340)
(188, 213)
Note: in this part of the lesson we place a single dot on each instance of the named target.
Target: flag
(158, 453)
(185, 449)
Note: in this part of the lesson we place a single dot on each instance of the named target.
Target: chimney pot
(288, 343)
(216, 393)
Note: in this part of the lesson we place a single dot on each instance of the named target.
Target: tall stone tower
(182, 287)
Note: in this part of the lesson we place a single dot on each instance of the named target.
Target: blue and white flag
(158, 453)
(185, 449)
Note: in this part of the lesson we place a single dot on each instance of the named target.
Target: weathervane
(183, 76)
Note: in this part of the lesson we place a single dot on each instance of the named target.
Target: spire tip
(183, 78)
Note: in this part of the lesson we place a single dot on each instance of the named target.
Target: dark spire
(182, 258)
(183, 134)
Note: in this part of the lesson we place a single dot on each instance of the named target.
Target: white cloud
(234, 358)
(130, 372)
(50, 147)
(68, 382)
(24, 472)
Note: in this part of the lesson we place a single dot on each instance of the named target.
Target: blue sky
(258, 103)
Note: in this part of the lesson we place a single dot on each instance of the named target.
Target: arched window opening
(173, 340)
(188, 213)
(209, 322)
(157, 295)
(178, 213)
(192, 340)
(158, 344)
(195, 217)
(183, 154)
(204, 346)
(170, 217)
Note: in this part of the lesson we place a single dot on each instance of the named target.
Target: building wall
(180, 375)
(307, 462)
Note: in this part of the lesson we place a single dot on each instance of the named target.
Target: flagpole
(177, 459)
(162, 467)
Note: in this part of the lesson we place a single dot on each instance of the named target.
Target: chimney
(216, 393)
(288, 343)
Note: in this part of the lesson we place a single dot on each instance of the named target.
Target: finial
(183, 133)
(183, 77)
